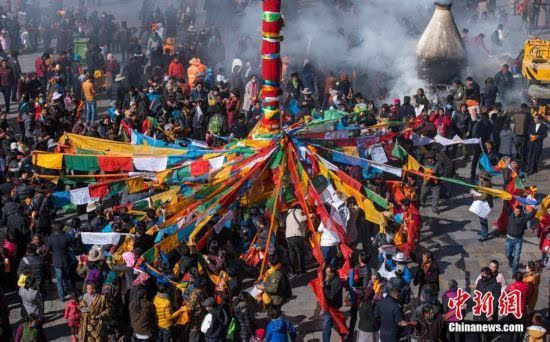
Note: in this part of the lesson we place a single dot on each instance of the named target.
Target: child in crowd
(72, 315)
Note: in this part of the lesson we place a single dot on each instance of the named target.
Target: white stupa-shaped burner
(440, 50)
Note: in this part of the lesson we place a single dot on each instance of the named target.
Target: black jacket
(10, 208)
(481, 129)
(23, 191)
(485, 286)
(367, 319)
(58, 243)
(504, 81)
(490, 95)
(388, 313)
(541, 133)
(240, 312)
(461, 122)
(473, 92)
(118, 92)
(518, 224)
(34, 263)
(406, 110)
(220, 320)
(18, 224)
(333, 292)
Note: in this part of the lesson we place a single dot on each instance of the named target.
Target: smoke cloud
(376, 39)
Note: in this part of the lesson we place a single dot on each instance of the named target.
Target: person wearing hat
(398, 262)
(24, 189)
(119, 89)
(306, 103)
(537, 133)
(484, 181)
(431, 184)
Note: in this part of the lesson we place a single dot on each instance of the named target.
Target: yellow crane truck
(535, 67)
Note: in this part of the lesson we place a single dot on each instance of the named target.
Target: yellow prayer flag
(496, 192)
(223, 174)
(169, 243)
(412, 164)
(351, 150)
(48, 160)
(323, 170)
(544, 205)
(165, 196)
(161, 176)
(371, 214)
(135, 184)
(116, 147)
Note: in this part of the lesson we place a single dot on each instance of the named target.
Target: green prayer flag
(184, 173)
(117, 187)
(518, 183)
(373, 196)
(141, 205)
(457, 181)
(81, 163)
(398, 152)
(276, 162)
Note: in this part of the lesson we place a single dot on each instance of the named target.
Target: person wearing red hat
(259, 337)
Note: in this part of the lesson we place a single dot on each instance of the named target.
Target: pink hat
(396, 101)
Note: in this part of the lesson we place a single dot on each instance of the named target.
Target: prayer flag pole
(272, 23)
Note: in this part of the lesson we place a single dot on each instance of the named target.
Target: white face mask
(150, 90)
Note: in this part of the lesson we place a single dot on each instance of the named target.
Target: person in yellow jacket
(88, 90)
(165, 316)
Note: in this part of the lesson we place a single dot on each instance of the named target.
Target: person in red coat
(232, 109)
(72, 315)
(176, 70)
(42, 70)
(524, 290)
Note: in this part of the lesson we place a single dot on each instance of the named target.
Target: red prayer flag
(199, 168)
(99, 190)
(113, 164)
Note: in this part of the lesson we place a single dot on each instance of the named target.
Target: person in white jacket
(295, 234)
(329, 242)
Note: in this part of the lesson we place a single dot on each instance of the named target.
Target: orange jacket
(193, 71)
(88, 90)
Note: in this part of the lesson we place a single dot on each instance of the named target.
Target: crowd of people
(174, 85)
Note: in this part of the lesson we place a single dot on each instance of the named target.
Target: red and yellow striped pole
(272, 23)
